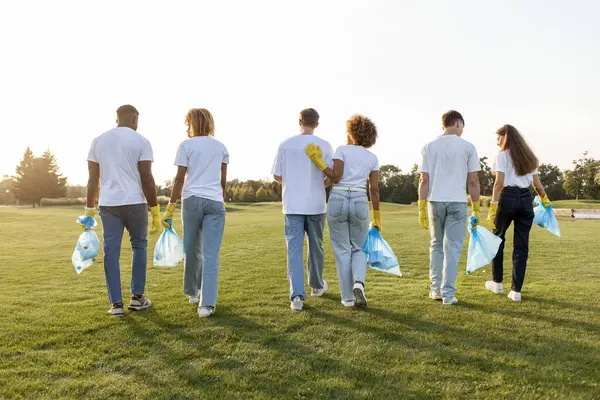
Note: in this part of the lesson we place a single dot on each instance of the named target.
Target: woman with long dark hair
(516, 171)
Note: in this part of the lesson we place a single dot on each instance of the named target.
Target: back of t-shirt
(302, 181)
(118, 152)
(203, 156)
(448, 160)
(358, 165)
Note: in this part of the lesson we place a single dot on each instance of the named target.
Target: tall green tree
(486, 177)
(37, 178)
(580, 182)
(553, 180)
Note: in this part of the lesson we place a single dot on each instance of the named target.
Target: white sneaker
(319, 292)
(514, 296)
(450, 302)
(297, 304)
(116, 310)
(349, 303)
(206, 311)
(359, 295)
(435, 295)
(494, 287)
(194, 299)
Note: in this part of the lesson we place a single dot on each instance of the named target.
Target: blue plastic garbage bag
(545, 217)
(379, 253)
(87, 246)
(483, 246)
(168, 251)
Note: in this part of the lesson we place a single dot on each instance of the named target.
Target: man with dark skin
(120, 164)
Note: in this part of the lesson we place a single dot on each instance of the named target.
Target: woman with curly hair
(201, 175)
(348, 209)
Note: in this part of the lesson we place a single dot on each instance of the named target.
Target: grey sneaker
(449, 302)
(116, 310)
(435, 295)
(319, 292)
(139, 303)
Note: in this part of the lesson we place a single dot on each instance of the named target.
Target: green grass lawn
(577, 204)
(57, 341)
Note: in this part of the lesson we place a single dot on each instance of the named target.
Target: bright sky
(67, 65)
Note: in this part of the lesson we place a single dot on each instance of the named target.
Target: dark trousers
(516, 205)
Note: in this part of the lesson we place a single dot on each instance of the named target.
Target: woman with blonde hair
(200, 182)
(348, 208)
(516, 171)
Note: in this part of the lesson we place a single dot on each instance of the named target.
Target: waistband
(514, 190)
(349, 189)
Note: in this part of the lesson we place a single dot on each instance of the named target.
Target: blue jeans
(295, 227)
(203, 226)
(348, 218)
(448, 227)
(114, 220)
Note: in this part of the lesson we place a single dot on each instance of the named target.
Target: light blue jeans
(203, 226)
(348, 218)
(448, 227)
(115, 220)
(295, 228)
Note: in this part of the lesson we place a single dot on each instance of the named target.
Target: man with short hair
(449, 163)
(304, 206)
(121, 161)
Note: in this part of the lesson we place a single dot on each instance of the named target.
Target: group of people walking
(120, 166)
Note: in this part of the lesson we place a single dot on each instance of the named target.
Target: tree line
(38, 178)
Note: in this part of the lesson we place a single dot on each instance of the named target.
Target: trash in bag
(483, 246)
(87, 246)
(545, 217)
(168, 251)
(379, 253)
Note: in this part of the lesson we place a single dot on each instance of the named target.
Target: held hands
(155, 211)
(376, 220)
(423, 217)
(476, 205)
(316, 155)
(167, 217)
(491, 219)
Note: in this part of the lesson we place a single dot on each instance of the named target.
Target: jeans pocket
(335, 207)
(361, 209)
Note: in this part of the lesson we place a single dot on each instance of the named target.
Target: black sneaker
(116, 310)
(139, 303)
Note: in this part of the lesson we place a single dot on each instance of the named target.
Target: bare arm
(223, 177)
(537, 185)
(473, 184)
(374, 186)
(424, 186)
(498, 186)
(148, 184)
(93, 181)
(178, 184)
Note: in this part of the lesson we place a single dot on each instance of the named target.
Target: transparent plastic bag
(545, 217)
(88, 245)
(483, 246)
(379, 253)
(168, 251)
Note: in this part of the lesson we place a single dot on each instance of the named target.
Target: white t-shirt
(448, 160)
(203, 157)
(358, 165)
(503, 163)
(302, 181)
(118, 152)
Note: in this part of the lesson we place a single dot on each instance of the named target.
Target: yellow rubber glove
(476, 205)
(376, 219)
(546, 200)
(168, 215)
(423, 216)
(316, 155)
(491, 218)
(155, 211)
